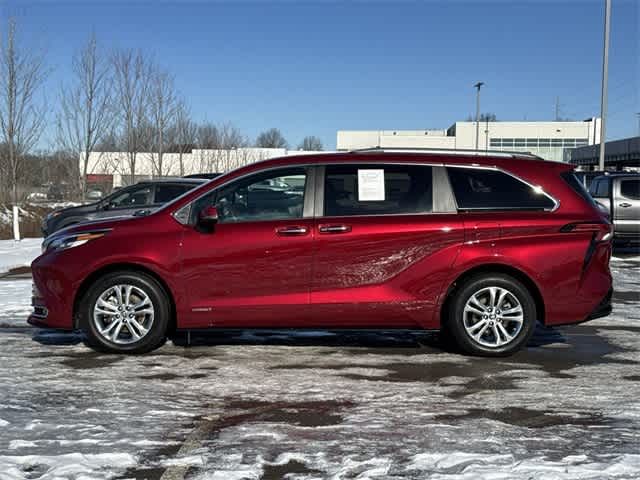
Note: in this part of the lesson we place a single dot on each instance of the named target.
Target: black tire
(157, 329)
(455, 323)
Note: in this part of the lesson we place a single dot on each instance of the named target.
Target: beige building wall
(546, 139)
(197, 161)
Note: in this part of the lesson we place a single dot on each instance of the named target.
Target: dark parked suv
(139, 199)
(480, 245)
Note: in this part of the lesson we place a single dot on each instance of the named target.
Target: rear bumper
(601, 310)
(604, 307)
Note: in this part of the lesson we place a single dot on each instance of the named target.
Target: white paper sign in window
(371, 185)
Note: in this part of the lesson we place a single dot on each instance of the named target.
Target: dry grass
(30, 220)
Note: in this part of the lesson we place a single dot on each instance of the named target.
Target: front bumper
(52, 294)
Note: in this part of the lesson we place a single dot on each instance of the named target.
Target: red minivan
(479, 244)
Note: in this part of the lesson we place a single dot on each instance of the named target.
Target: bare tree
(208, 141)
(85, 115)
(208, 136)
(271, 138)
(22, 117)
(311, 144)
(132, 79)
(230, 153)
(183, 134)
(163, 107)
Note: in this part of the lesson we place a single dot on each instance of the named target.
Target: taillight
(601, 231)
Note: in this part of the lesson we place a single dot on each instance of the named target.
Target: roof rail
(449, 151)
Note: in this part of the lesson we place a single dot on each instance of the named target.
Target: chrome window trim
(319, 191)
(444, 201)
(318, 188)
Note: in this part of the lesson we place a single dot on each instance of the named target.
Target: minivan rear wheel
(125, 312)
(492, 315)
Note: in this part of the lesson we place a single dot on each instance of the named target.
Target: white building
(545, 139)
(114, 168)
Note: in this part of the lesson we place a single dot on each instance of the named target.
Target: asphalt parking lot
(350, 405)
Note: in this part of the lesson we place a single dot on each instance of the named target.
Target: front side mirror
(208, 217)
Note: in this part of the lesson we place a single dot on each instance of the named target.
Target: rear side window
(377, 190)
(602, 189)
(166, 193)
(577, 186)
(630, 189)
(479, 189)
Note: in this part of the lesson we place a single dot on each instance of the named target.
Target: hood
(111, 222)
(89, 207)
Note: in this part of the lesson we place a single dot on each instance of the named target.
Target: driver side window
(273, 195)
(132, 198)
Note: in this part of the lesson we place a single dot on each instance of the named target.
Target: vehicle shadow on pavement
(368, 338)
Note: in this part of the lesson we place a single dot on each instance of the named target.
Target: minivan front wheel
(125, 312)
(492, 315)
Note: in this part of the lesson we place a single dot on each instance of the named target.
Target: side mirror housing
(208, 218)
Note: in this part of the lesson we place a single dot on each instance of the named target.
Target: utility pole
(478, 86)
(605, 81)
(557, 109)
(638, 114)
(486, 134)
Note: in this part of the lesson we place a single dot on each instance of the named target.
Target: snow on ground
(343, 406)
(18, 254)
(15, 303)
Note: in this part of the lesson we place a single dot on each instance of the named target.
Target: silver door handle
(334, 228)
(291, 231)
(624, 205)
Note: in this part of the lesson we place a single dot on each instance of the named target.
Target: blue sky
(315, 68)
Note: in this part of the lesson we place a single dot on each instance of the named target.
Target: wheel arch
(485, 269)
(124, 268)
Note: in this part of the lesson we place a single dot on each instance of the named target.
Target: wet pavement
(344, 405)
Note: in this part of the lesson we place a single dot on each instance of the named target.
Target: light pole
(478, 86)
(605, 80)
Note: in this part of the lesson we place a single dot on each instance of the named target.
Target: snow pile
(18, 254)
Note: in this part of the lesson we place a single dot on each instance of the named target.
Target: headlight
(63, 242)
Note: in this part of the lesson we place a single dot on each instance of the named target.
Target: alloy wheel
(123, 314)
(493, 317)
